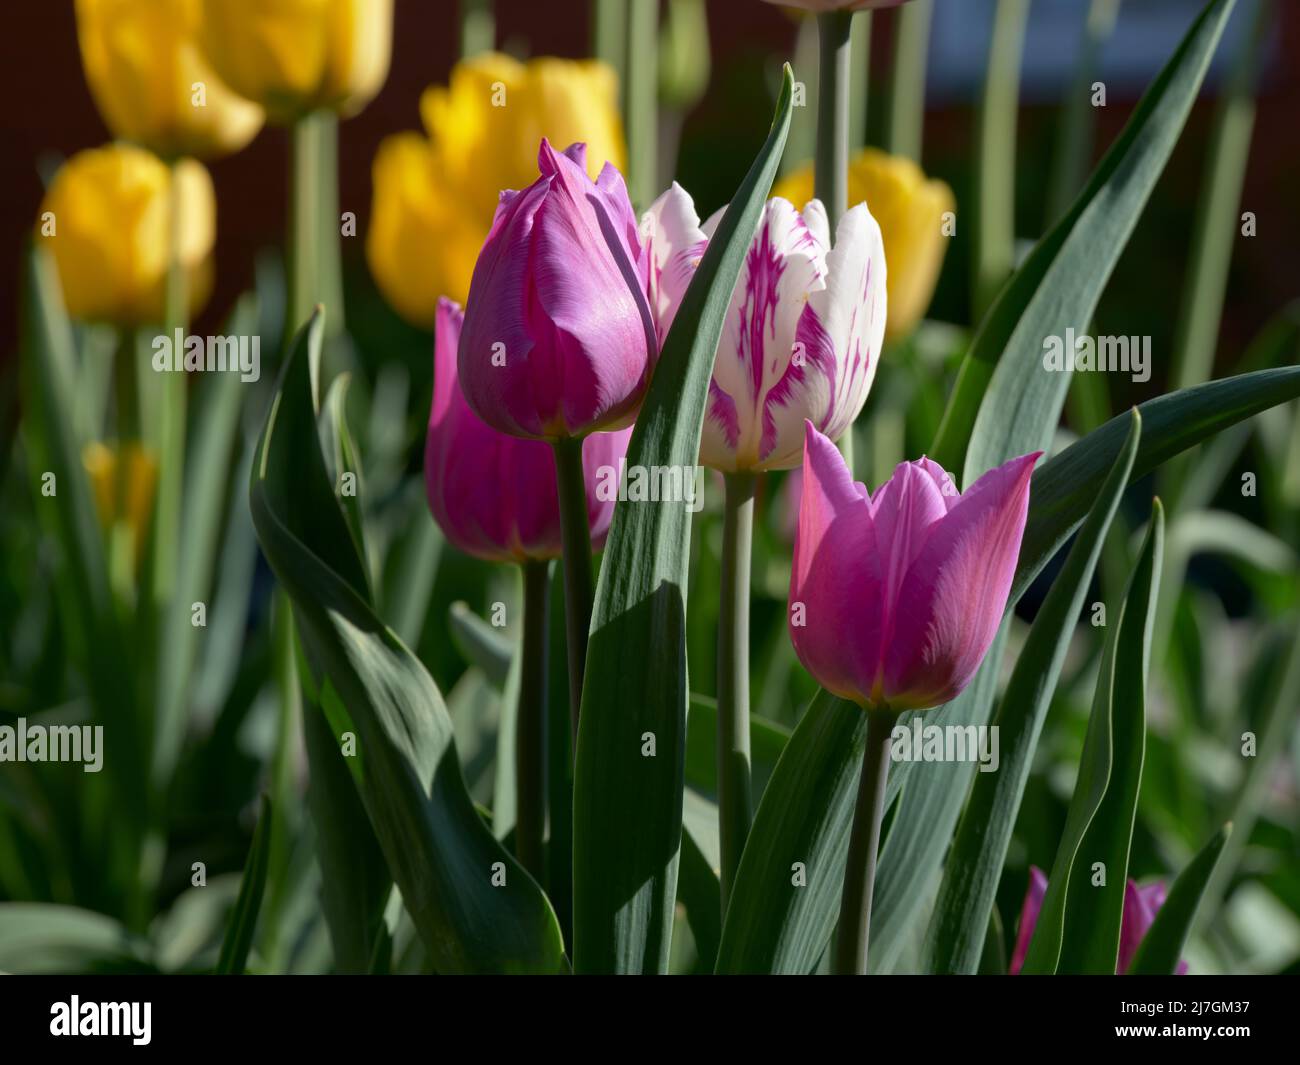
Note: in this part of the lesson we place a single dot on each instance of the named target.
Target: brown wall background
(46, 109)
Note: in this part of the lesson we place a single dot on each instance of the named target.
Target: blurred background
(1226, 657)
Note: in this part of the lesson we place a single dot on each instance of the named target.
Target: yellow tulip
(152, 83)
(294, 56)
(910, 209)
(123, 479)
(106, 220)
(435, 194)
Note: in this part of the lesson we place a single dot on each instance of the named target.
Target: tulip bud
(153, 84)
(1141, 903)
(494, 496)
(435, 192)
(558, 338)
(122, 480)
(106, 219)
(295, 57)
(896, 598)
(914, 213)
(802, 336)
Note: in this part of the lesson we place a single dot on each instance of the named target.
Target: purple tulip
(894, 599)
(558, 339)
(494, 495)
(1141, 903)
(802, 336)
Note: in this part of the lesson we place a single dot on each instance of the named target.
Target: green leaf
(772, 925)
(1063, 489)
(1002, 389)
(1099, 822)
(1159, 951)
(480, 643)
(38, 937)
(701, 893)
(767, 741)
(355, 882)
(243, 921)
(1092, 919)
(628, 807)
(219, 402)
(442, 857)
(958, 928)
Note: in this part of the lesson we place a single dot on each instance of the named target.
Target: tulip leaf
(1079, 923)
(475, 908)
(701, 893)
(243, 919)
(958, 929)
(39, 937)
(1064, 487)
(1161, 947)
(480, 643)
(774, 923)
(767, 741)
(628, 774)
(930, 802)
(219, 401)
(1092, 924)
(1005, 401)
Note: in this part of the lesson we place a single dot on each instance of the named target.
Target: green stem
(329, 280)
(831, 167)
(996, 168)
(478, 27)
(171, 417)
(831, 162)
(859, 79)
(640, 98)
(860, 873)
(907, 92)
(735, 813)
(304, 215)
(530, 724)
(579, 579)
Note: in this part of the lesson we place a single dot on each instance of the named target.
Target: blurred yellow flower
(435, 193)
(122, 478)
(910, 210)
(153, 85)
(106, 220)
(293, 56)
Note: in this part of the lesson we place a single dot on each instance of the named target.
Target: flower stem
(579, 582)
(734, 790)
(831, 167)
(860, 873)
(530, 725)
(831, 162)
(304, 220)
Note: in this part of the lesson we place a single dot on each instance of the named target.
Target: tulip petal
(1028, 917)
(675, 243)
(952, 600)
(835, 586)
(754, 364)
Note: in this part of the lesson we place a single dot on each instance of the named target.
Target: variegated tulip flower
(803, 332)
(800, 343)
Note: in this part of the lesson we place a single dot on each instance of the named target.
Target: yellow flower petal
(109, 232)
(910, 210)
(435, 195)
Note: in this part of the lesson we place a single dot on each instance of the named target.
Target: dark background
(48, 113)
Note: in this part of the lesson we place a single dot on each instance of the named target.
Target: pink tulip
(895, 599)
(558, 338)
(1141, 904)
(802, 336)
(494, 495)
